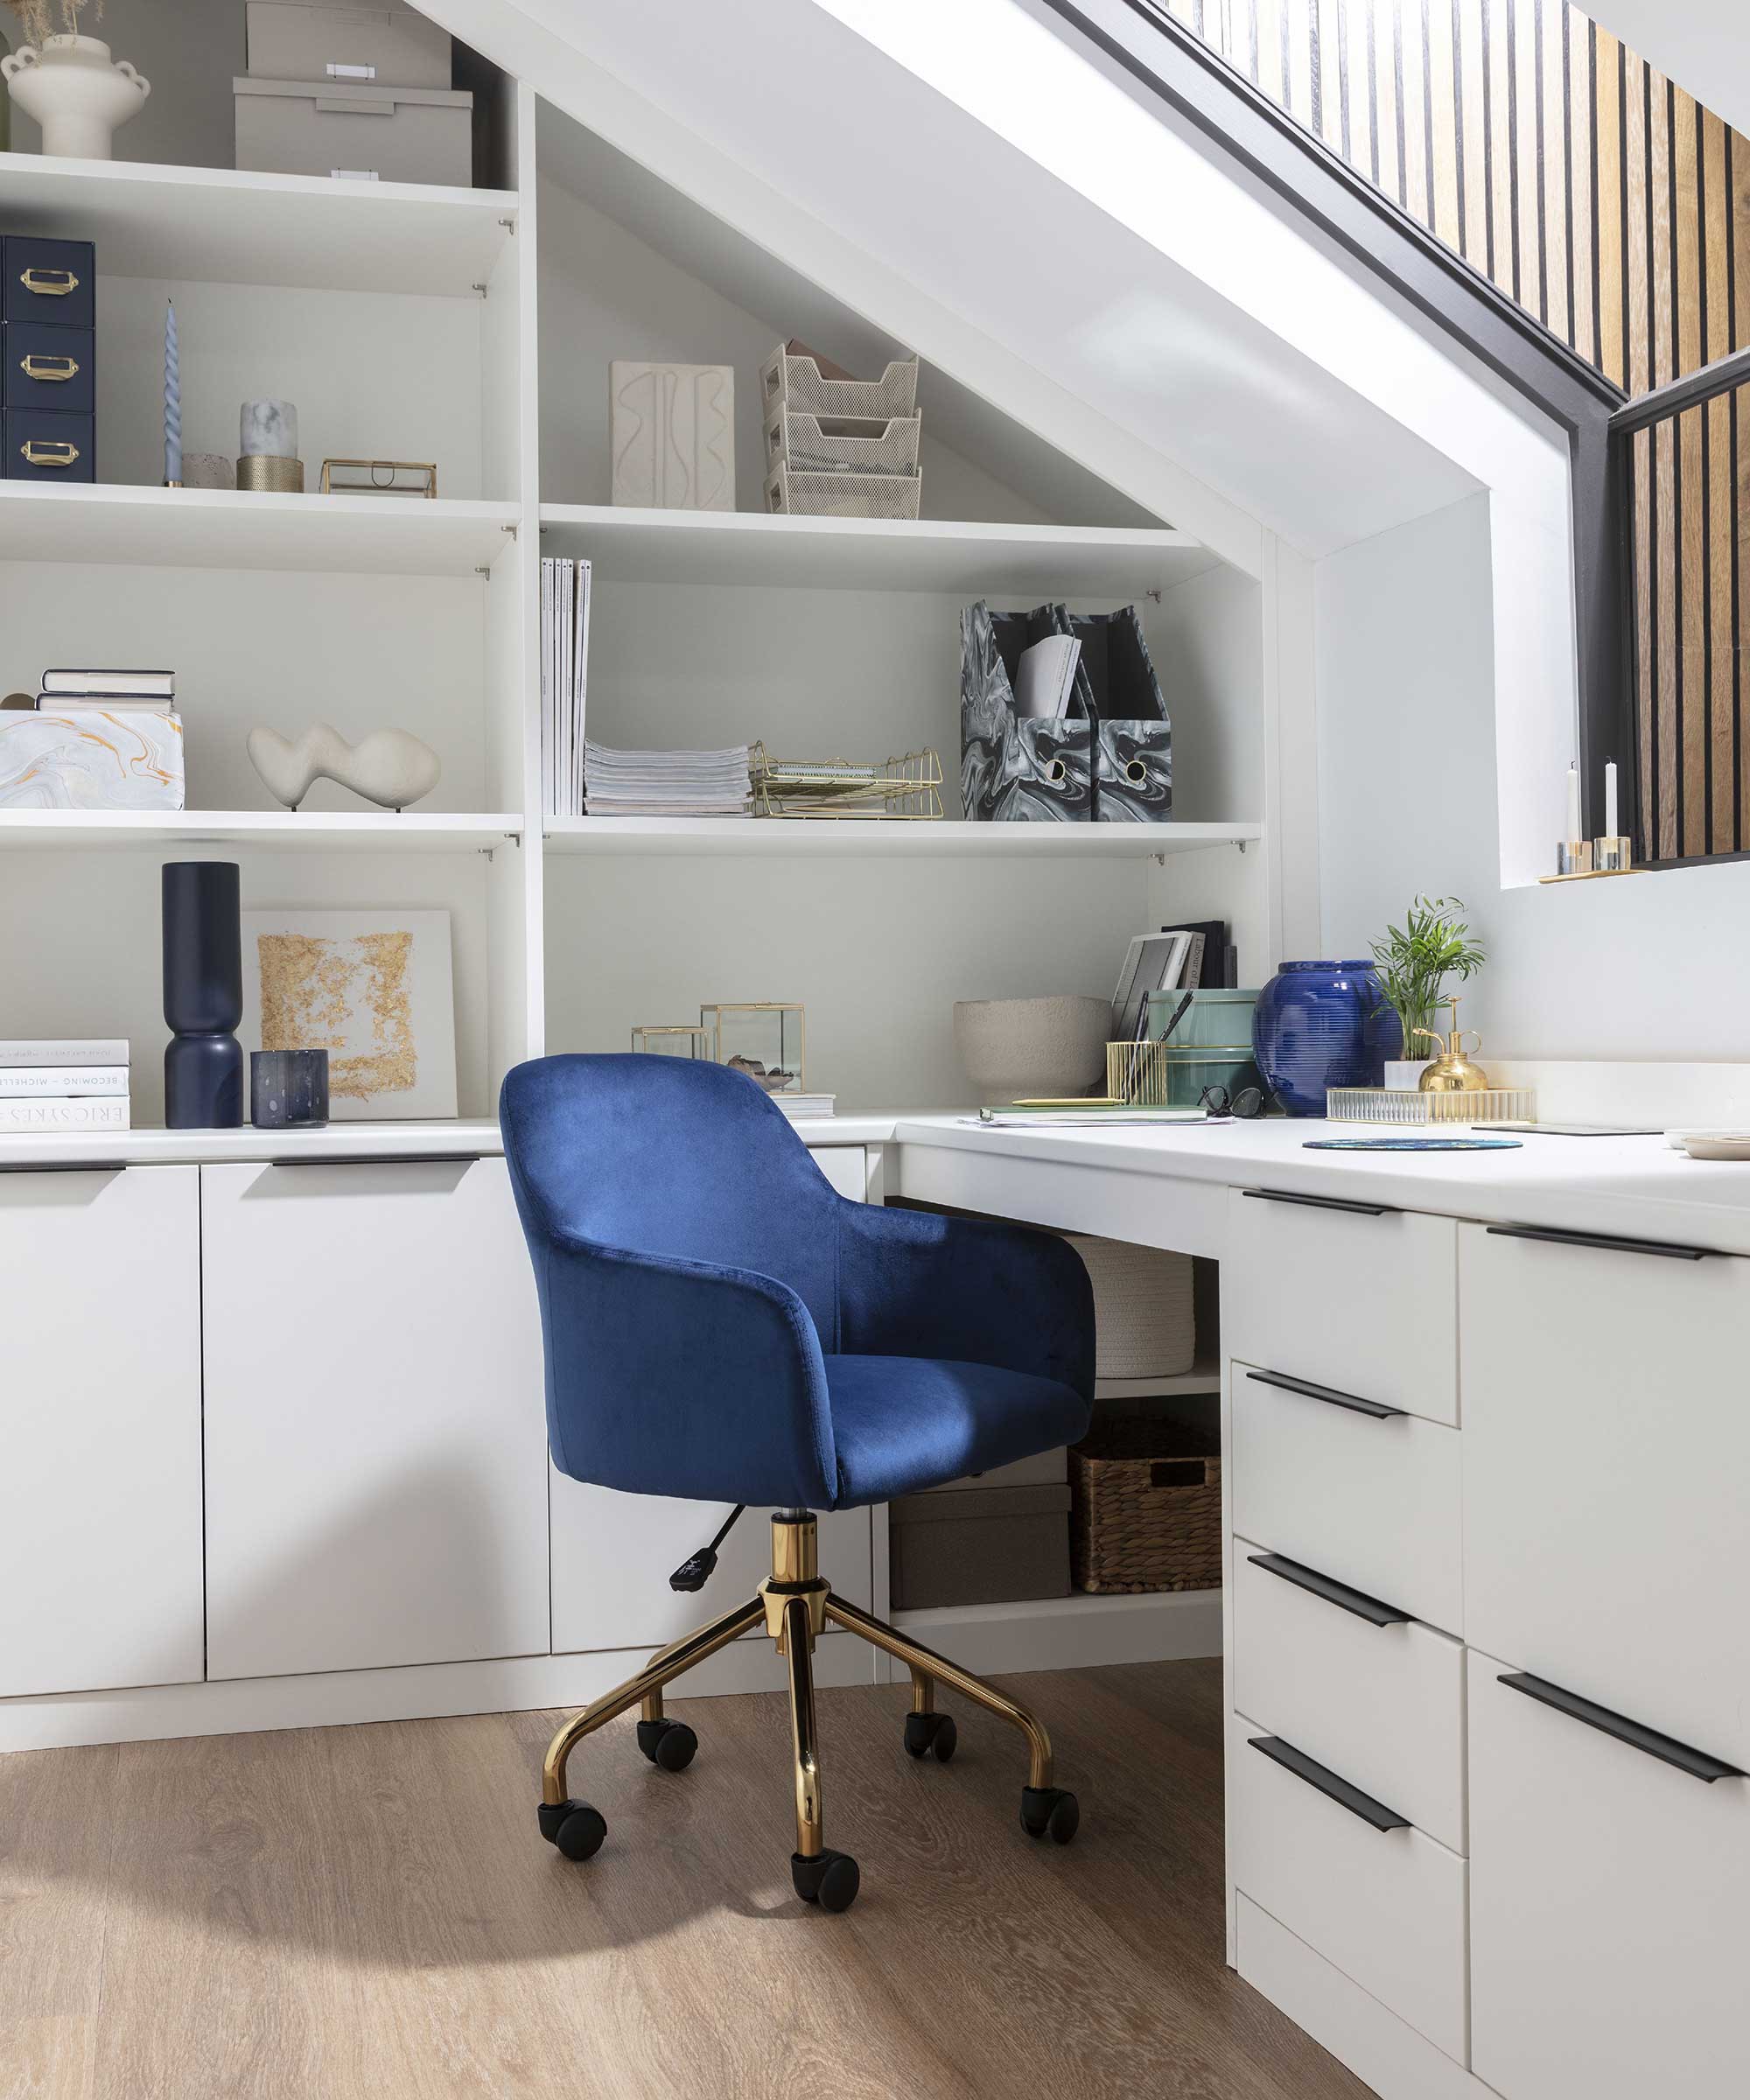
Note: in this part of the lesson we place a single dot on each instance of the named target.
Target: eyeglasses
(1248, 1102)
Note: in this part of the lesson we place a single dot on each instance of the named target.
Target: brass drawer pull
(49, 283)
(60, 452)
(35, 367)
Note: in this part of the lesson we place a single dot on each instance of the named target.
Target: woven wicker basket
(1146, 1512)
(1145, 1326)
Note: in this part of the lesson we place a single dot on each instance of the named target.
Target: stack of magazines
(666, 783)
(565, 663)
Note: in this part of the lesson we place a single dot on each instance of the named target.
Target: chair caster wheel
(670, 1744)
(830, 1878)
(574, 1826)
(1049, 1812)
(927, 1732)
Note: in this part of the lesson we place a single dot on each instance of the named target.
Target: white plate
(1730, 1134)
(1699, 1145)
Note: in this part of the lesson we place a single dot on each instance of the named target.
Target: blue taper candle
(172, 401)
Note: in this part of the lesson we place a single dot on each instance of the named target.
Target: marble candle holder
(288, 1089)
(268, 429)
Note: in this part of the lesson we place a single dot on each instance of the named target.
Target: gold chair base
(795, 1605)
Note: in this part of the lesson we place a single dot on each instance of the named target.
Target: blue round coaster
(1412, 1145)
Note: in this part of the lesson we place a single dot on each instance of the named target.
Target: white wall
(1702, 45)
(1648, 967)
(878, 954)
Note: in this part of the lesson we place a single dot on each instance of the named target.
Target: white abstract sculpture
(389, 767)
(673, 435)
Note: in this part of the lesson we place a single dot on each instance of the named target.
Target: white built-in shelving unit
(474, 328)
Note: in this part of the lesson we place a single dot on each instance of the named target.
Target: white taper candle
(173, 400)
(1610, 800)
(1573, 830)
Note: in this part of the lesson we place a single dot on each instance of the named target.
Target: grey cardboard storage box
(332, 127)
(985, 1545)
(317, 40)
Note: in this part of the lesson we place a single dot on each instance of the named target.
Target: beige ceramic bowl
(1032, 1049)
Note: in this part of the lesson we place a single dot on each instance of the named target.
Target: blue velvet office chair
(721, 1325)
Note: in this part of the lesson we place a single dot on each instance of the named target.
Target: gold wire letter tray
(902, 788)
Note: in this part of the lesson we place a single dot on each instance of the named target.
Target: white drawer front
(1385, 1907)
(1610, 1912)
(1382, 1705)
(1607, 1450)
(1366, 1304)
(1374, 1503)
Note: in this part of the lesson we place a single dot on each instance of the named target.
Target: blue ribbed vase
(1314, 1026)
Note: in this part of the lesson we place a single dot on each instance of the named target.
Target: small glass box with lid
(766, 1040)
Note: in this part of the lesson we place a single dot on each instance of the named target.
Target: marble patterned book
(91, 758)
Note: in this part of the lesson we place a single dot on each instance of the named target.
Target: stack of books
(807, 1105)
(62, 1084)
(142, 692)
(666, 783)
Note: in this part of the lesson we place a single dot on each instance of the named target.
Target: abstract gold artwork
(372, 988)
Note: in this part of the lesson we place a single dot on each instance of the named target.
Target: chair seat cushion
(903, 1423)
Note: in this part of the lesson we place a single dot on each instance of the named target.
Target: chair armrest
(677, 1377)
(913, 1284)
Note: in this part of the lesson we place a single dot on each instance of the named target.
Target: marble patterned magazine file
(1069, 767)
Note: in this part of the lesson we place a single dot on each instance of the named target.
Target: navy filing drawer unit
(48, 392)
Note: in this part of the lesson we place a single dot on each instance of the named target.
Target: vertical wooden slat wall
(1610, 204)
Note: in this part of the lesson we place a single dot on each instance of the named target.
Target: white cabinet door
(1606, 1449)
(99, 1429)
(613, 1554)
(1610, 1912)
(376, 1474)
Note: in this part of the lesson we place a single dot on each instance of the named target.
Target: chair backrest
(673, 1156)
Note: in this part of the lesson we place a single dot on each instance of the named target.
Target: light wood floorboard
(369, 1913)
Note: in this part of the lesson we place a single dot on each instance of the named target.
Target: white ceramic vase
(76, 92)
(1404, 1074)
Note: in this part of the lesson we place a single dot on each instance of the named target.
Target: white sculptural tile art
(672, 429)
(90, 757)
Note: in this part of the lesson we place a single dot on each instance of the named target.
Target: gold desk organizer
(1408, 1108)
(898, 790)
(379, 477)
(1141, 1075)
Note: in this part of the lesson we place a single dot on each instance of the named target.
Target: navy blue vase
(1315, 1026)
(203, 995)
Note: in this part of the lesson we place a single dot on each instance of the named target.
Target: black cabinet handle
(1326, 1782)
(1339, 1593)
(1610, 1244)
(63, 1166)
(1376, 1409)
(1360, 1210)
(1697, 1763)
(379, 1159)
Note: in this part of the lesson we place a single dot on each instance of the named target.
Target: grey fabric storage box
(987, 1545)
(331, 128)
(305, 39)
(1048, 1469)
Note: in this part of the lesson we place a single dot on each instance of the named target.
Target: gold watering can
(1451, 1072)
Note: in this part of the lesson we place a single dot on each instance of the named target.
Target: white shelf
(1026, 562)
(779, 838)
(276, 830)
(1204, 1377)
(221, 225)
(227, 528)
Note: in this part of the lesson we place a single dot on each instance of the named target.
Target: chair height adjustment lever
(698, 1568)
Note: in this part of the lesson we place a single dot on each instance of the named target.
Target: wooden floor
(369, 1913)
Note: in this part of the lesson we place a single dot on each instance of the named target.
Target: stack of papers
(666, 783)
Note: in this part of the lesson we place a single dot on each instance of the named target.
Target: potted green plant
(1414, 961)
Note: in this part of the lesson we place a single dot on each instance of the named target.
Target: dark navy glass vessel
(1315, 1026)
(203, 995)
